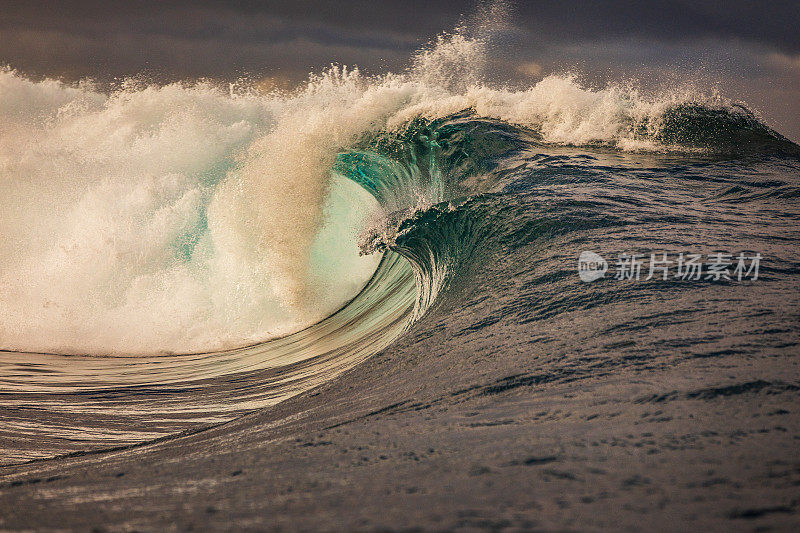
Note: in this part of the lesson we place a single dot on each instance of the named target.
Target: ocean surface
(389, 267)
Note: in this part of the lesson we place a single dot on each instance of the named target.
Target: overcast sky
(748, 49)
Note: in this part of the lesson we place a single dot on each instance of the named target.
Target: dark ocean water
(478, 375)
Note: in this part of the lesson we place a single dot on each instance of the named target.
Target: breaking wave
(174, 256)
(190, 217)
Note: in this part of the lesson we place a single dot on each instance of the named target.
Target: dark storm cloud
(753, 47)
(769, 23)
(96, 39)
(78, 38)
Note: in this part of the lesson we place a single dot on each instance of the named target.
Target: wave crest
(186, 217)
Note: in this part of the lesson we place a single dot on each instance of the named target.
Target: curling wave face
(186, 219)
(280, 238)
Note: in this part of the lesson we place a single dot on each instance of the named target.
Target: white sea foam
(185, 217)
(169, 218)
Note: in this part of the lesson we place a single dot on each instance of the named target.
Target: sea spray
(185, 217)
